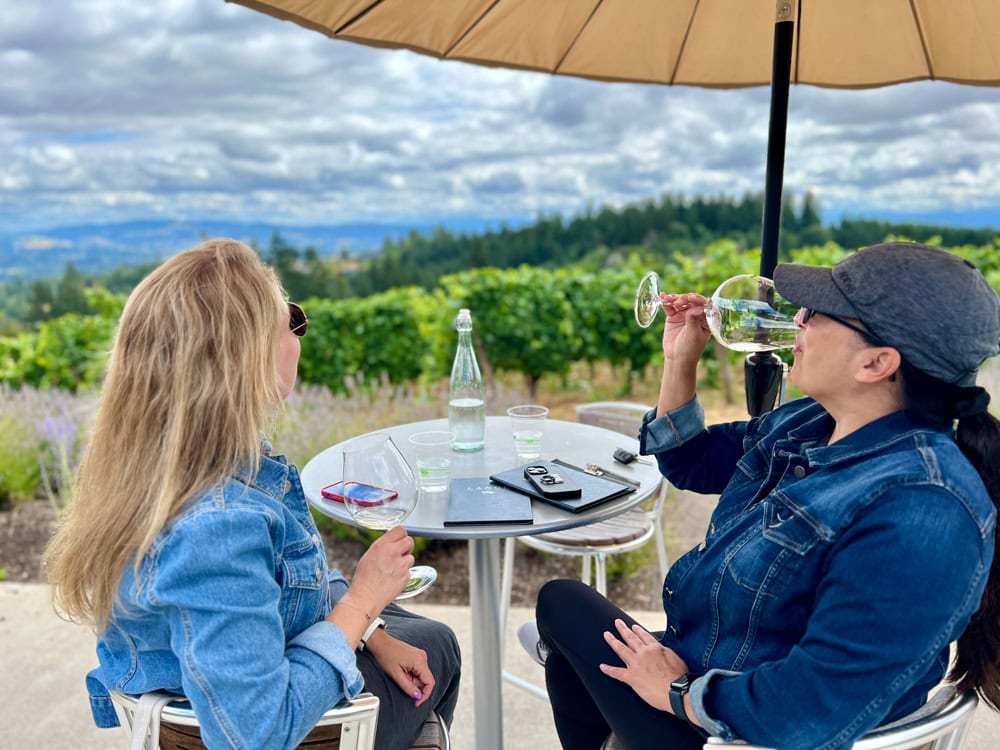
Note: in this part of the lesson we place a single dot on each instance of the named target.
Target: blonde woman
(190, 549)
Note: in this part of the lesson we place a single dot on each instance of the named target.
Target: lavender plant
(42, 435)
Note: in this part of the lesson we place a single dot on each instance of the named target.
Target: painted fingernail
(417, 695)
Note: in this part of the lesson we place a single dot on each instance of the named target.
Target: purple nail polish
(417, 695)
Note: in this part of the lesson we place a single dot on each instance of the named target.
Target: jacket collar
(271, 475)
(892, 429)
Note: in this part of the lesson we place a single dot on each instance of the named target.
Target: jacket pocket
(304, 589)
(766, 558)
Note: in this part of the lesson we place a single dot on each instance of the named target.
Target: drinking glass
(745, 313)
(380, 492)
(527, 424)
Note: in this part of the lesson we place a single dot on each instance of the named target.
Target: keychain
(623, 456)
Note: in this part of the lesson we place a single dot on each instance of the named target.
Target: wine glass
(745, 313)
(380, 492)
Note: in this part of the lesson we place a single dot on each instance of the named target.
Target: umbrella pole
(764, 370)
(781, 70)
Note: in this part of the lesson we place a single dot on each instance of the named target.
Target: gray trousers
(399, 721)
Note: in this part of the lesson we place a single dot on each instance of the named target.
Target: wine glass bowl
(745, 313)
(380, 491)
(379, 488)
(647, 299)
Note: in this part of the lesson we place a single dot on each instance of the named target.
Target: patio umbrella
(707, 43)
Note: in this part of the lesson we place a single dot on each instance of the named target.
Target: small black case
(550, 483)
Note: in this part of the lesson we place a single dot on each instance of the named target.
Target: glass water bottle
(466, 392)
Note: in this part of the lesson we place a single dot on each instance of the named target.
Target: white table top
(572, 442)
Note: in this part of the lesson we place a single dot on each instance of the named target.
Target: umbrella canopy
(708, 43)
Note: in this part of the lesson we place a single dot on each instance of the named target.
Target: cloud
(200, 108)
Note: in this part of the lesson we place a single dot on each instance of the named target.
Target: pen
(601, 472)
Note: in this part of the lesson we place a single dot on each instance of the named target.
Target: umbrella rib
(684, 41)
(572, 44)
(447, 52)
(356, 17)
(923, 40)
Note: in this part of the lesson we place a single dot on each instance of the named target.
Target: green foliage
(365, 340)
(67, 352)
(522, 318)
(531, 320)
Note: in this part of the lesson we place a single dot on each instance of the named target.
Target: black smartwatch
(678, 689)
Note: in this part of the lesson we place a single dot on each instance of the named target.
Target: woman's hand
(384, 570)
(649, 667)
(686, 330)
(406, 665)
(684, 337)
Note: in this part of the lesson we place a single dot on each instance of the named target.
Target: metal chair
(597, 541)
(168, 723)
(940, 724)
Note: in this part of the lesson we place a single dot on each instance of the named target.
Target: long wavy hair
(977, 661)
(192, 379)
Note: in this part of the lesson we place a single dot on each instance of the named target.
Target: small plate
(421, 579)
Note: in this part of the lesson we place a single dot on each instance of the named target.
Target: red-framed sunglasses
(298, 323)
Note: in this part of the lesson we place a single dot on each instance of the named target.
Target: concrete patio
(43, 702)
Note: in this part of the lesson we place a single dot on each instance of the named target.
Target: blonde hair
(192, 378)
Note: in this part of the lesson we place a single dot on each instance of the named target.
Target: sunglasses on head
(298, 323)
(805, 314)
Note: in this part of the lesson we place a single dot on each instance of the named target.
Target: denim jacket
(229, 610)
(831, 579)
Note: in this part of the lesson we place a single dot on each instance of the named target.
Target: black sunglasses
(807, 313)
(297, 320)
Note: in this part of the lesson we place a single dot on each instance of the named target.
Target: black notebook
(480, 501)
(594, 489)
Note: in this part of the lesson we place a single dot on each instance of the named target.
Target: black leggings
(586, 703)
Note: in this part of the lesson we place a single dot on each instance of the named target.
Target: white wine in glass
(380, 492)
(745, 313)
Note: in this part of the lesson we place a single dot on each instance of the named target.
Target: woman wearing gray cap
(853, 537)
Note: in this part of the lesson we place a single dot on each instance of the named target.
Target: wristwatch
(377, 623)
(678, 689)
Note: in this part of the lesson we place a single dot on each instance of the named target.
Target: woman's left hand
(406, 665)
(649, 666)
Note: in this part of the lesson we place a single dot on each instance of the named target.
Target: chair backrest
(940, 724)
(621, 416)
(349, 725)
(624, 417)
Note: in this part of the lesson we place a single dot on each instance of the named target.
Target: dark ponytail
(977, 663)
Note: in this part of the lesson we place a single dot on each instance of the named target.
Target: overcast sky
(197, 109)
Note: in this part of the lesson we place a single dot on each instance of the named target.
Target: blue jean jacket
(831, 579)
(229, 610)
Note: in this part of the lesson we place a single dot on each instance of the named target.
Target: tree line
(594, 239)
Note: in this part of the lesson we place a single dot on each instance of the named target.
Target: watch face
(682, 683)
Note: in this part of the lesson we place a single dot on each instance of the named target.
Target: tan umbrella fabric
(710, 43)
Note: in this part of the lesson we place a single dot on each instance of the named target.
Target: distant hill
(102, 247)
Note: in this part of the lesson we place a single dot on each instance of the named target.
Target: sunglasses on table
(805, 314)
(298, 323)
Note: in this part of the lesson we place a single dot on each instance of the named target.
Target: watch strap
(375, 624)
(678, 689)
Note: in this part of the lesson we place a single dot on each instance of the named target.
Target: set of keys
(623, 456)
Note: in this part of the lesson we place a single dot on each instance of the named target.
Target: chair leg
(585, 570)
(601, 563)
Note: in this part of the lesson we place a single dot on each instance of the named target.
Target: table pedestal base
(484, 601)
